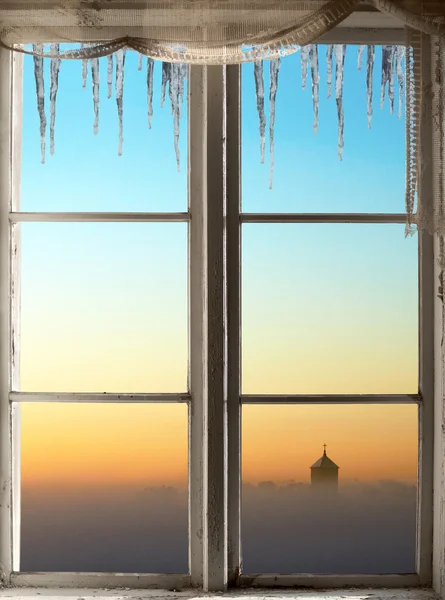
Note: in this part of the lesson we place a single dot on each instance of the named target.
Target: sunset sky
(326, 308)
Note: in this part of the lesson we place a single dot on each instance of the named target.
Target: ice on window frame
(166, 74)
(304, 52)
(54, 87)
(40, 95)
(315, 76)
(150, 71)
(120, 64)
(274, 71)
(84, 69)
(370, 57)
(400, 55)
(329, 52)
(174, 76)
(360, 52)
(388, 59)
(110, 74)
(340, 53)
(95, 81)
(259, 92)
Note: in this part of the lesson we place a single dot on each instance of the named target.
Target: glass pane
(329, 309)
(86, 173)
(308, 176)
(104, 488)
(358, 518)
(104, 307)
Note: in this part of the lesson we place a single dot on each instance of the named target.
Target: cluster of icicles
(392, 66)
(174, 75)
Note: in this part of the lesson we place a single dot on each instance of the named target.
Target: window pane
(329, 309)
(104, 307)
(86, 173)
(308, 176)
(104, 488)
(295, 521)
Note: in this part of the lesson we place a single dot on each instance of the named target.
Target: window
(178, 358)
(329, 350)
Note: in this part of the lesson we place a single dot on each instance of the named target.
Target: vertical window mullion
(233, 266)
(196, 116)
(426, 339)
(15, 266)
(5, 409)
(208, 430)
(215, 389)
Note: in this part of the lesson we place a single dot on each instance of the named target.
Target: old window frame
(424, 399)
(214, 396)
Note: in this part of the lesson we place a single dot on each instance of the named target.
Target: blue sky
(79, 279)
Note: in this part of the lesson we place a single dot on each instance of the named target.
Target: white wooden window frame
(214, 396)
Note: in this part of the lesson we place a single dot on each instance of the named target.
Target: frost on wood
(340, 53)
(54, 86)
(274, 70)
(95, 78)
(110, 74)
(400, 54)
(361, 49)
(304, 51)
(369, 74)
(313, 58)
(40, 93)
(259, 91)
(150, 70)
(329, 51)
(120, 62)
(388, 56)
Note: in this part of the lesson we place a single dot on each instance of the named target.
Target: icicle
(340, 52)
(369, 73)
(110, 74)
(54, 86)
(120, 62)
(182, 77)
(274, 70)
(176, 94)
(140, 62)
(40, 92)
(388, 55)
(150, 68)
(166, 77)
(84, 68)
(259, 90)
(400, 53)
(361, 49)
(313, 57)
(95, 77)
(329, 68)
(304, 51)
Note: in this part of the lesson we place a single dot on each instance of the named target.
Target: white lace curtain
(236, 31)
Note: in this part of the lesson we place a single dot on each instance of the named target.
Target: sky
(326, 309)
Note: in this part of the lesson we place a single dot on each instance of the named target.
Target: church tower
(324, 473)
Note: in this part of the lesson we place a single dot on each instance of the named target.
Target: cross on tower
(324, 446)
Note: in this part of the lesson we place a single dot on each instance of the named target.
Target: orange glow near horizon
(104, 444)
(74, 445)
(368, 442)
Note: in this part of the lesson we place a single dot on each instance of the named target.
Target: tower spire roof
(324, 462)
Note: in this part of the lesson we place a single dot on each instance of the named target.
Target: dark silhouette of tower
(324, 473)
